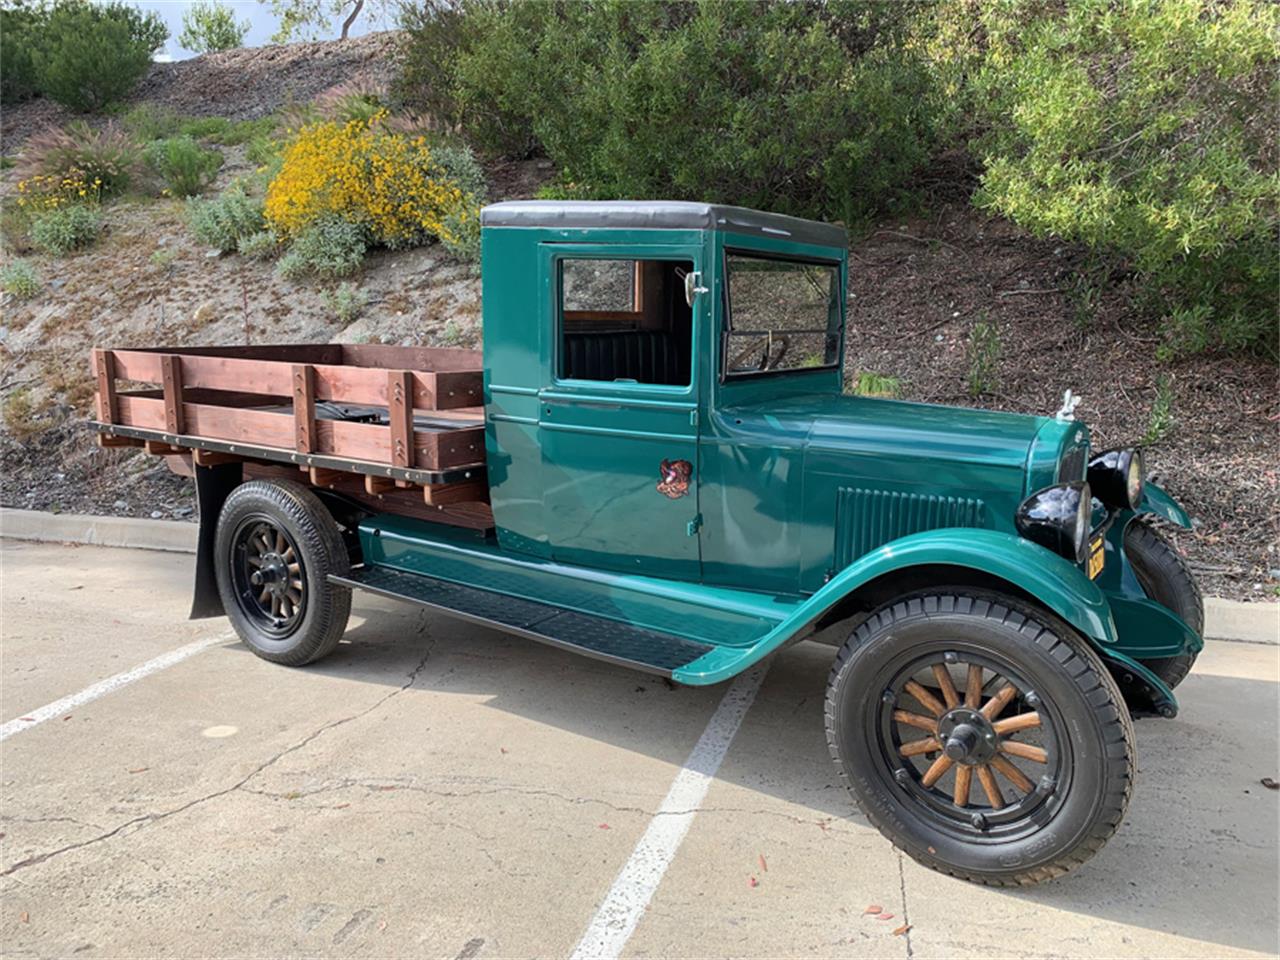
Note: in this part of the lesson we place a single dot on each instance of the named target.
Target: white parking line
(103, 687)
(629, 897)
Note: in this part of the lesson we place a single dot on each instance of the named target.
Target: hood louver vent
(866, 519)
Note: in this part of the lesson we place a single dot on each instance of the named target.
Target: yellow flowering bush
(365, 174)
(42, 193)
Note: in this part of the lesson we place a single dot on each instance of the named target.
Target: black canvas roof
(658, 215)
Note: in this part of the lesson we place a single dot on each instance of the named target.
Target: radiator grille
(1072, 466)
(866, 519)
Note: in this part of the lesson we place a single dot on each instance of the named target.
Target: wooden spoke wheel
(967, 736)
(981, 735)
(270, 581)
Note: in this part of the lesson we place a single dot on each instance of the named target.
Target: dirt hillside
(919, 289)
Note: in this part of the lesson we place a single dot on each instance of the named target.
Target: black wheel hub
(269, 577)
(967, 736)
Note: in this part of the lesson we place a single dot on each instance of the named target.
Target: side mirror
(693, 286)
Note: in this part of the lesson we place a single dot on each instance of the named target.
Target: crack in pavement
(152, 818)
(906, 917)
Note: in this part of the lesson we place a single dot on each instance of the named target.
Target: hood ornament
(1069, 403)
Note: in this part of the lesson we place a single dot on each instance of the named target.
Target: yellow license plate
(1096, 555)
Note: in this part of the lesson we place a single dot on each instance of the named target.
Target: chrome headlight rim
(1058, 518)
(1118, 478)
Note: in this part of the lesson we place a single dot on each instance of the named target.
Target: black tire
(1165, 578)
(1081, 720)
(258, 517)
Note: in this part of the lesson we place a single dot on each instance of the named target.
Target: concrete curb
(1224, 619)
(172, 535)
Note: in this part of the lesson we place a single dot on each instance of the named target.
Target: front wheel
(981, 736)
(275, 547)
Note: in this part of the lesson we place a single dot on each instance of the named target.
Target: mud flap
(1144, 693)
(213, 485)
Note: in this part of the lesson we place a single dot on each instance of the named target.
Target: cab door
(618, 416)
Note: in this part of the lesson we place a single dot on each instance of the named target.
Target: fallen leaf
(68, 716)
(752, 882)
(24, 917)
(902, 930)
(387, 789)
(382, 924)
(873, 908)
(1270, 784)
(933, 850)
(139, 769)
(27, 719)
(885, 916)
(503, 749)
(342, 806)
(603, 826)
(763, 866)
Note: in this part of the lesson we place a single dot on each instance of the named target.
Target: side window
(624, 321)
(783, 315)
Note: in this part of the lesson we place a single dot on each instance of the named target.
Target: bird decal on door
(674, 476)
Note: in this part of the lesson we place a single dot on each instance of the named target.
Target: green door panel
(603, 445)
(1057, 584)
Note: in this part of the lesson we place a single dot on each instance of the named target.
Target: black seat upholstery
(645, 356)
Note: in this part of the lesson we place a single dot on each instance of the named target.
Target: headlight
(1058, 518)
(1117, 478)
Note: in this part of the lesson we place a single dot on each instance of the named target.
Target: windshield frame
(726, 326)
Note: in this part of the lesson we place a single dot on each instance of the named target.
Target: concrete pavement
(438, 789)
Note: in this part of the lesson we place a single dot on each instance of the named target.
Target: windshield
(782, 315)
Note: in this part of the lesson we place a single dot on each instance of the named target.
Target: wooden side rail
(217, 400)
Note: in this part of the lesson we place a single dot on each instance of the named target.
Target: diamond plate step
(583, 633)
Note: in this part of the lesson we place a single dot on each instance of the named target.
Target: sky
(262, 22)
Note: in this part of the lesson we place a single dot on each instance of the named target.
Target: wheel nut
(1032, 699)
(256, 579)
(950, 657)
(978, 821)
(888, 697)
(902, 776)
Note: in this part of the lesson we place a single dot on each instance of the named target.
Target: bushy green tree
(208, 25)
(1144, 129)
(87, 55)
(20, 26)
(313, 19)
(805, 107)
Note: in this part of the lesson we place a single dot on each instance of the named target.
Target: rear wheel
(985, 739)
(275, 548)
(1166, 579)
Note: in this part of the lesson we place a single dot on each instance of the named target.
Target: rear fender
(1057, 584)
(213, 486)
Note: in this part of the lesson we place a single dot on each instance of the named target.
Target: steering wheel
(768, 358)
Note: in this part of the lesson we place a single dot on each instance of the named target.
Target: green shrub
(66, 228)
(870, 384)
(223, 220)
(259, 246)
(149, 121)
(816, 109)
(21, 24)
(461, 230)
(90, 54)
(185, 168)
(204, 128)
(243, 131)
(1160, 422)
(263, 150)
(1146, 131)
(347, 302)
(105, 157)
(330, 247)
(20, 279)
(983, 354)
(208, 25)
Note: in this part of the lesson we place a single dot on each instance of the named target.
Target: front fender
(1059, 585)
(1155, 500)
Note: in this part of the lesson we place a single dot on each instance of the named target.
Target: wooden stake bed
(375, 422)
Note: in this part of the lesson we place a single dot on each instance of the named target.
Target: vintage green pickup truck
(654, 463)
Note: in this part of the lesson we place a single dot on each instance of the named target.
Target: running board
(592, 636)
